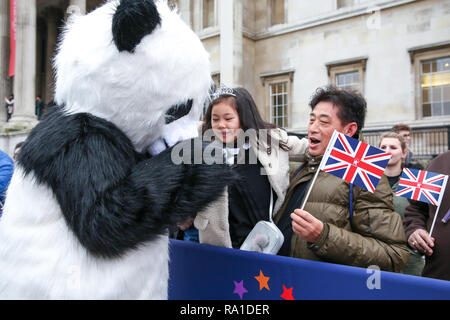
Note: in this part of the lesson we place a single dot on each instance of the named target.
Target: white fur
(46, 261)
(40, 258)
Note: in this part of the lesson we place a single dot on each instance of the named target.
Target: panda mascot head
(88, 209)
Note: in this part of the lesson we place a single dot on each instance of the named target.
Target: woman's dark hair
(19, 145)
(17, 149)
(249, 116)
(352, 106)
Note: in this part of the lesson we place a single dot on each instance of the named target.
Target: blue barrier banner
(203, 272)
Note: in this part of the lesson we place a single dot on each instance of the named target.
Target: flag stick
(444, 185)
(434, 220)
(329, 147)
(310, 187)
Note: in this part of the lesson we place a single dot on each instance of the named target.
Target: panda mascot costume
(88, 209)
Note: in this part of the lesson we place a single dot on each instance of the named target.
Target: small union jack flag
(355, 161)
(422, 185)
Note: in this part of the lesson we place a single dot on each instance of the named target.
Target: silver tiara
(222, 91)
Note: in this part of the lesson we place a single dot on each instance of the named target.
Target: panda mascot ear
(133, 20)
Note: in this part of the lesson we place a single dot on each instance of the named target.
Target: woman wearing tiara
(259, 152)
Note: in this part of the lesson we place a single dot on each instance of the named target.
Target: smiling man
(324, 231)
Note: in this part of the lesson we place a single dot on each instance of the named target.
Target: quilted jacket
(376, 236)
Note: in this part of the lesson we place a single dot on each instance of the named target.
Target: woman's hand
(185, 224)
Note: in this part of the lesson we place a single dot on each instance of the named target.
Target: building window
(346, 3)
(209, 13)
(214, 86)
(216, 80)
(348, 74)
(435, 84)
(431, 65)
(93, 4)
(277, 12)
(173, 4)
(348, 81)
(278, 96)
(279, 103)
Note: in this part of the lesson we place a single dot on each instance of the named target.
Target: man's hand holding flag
(351, 160)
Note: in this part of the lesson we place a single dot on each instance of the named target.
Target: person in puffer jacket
(323, 231)
(6, 171)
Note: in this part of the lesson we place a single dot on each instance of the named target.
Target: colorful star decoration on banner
(239, 288)
(287, 293)
(263, 282)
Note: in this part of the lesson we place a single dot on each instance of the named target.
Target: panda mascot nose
(132, 21)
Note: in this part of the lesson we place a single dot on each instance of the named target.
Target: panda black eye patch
(178, 111)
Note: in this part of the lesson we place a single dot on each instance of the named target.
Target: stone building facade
(39, 23)
(395, 52)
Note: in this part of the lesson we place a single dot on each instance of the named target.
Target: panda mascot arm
(86, 213)
(112, 198)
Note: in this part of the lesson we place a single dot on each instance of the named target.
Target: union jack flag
(422, 185)
(355, 161)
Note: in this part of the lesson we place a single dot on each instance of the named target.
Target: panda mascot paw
(87, 212)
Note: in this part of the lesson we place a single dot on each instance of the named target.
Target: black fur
(133, 20)
(112, 197)
(178, 111)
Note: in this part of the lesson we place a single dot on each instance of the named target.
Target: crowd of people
(336, 222)
(339, 223)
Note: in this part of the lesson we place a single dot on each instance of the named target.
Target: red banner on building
(12, 28)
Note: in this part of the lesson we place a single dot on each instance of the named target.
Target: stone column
(231, 42)
(196, 15)
(226, 16)
(238, 48)
(52, 16)
(25, 77)
(184, 9)
(5, 83)
(77, 7)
